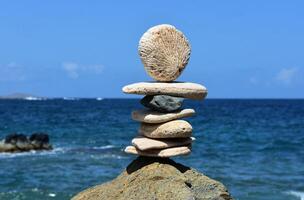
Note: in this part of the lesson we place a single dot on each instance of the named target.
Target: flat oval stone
(154, 117)
(177, 89)
(172, 129)
(144, 143)
(162, 103)
(164, 153)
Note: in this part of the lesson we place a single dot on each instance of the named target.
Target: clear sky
(240, 49)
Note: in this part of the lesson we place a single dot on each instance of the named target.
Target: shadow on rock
(157, 178)
(143, 161)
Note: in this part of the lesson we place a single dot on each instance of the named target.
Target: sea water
(254, 147)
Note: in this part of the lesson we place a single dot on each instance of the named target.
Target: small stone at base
(164, 153)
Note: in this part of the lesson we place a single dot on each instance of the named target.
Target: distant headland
(25, 96)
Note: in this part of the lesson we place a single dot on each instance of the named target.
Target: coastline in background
(255, 147)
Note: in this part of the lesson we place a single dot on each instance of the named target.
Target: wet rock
(14, 137)
(7, 147)
(40, 141)
(19, 142)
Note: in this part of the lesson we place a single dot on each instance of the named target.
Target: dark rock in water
(24, 144)
(162, 103)
(40, 141)
(157, 178)
(14, 137)
(19, 142)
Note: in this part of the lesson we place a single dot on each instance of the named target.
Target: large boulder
(19, 142)
(40, 141)
(16, 142)
(13, 138)
(7, 147)
(157, 178)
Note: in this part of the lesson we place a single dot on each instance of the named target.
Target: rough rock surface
(172, 129)
(154, 117)
(157, 178)
(164, 51)
(176, 89)
(162, 103)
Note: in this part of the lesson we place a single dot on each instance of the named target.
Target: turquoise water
(255, 147)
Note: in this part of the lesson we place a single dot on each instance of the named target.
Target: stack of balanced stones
(165, 52)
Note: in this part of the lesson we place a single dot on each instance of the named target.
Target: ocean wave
(104, 147)
(298, 194)
(33, 98)
(57, 150)
(102, 156)
(70, 98)
(32, 153)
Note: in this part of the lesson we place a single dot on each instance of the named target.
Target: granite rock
(148, 178)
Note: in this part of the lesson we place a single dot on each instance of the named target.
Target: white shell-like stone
(164, 51)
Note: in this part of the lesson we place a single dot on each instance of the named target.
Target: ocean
(254, 147)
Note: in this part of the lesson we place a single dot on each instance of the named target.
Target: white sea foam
(298, 194)
(52, 194)
(32, 153)
(102, 156)
(57, 150)
(70, 98)
(104, 147)
(33, 98)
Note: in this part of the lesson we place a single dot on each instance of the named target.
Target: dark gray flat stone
(162, 103)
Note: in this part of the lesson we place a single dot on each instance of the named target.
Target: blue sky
(240, 49)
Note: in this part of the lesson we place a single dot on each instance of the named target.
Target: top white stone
(177, 89)
(164, 51)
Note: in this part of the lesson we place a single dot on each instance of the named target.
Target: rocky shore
(15, 142)
(153, 178)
